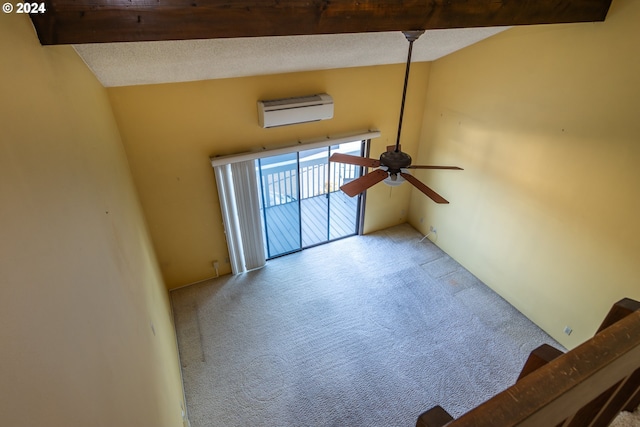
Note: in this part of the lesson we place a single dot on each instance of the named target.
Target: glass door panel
(313, 170)
(343, 210)
(278, 177)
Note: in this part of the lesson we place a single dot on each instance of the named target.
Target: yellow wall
(546, 122)
(79, 285)
(170, 130)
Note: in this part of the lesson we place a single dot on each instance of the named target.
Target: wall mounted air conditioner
(289, 111)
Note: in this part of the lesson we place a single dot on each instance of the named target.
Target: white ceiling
(126, 64)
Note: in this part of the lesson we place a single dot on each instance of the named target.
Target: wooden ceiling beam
(97, 21)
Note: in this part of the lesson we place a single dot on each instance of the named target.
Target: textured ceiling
(126, 64)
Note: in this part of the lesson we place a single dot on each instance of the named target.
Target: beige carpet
(627, 419)
(366, 331)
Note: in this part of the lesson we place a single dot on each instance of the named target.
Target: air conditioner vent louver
(301, 109)
(313, 99)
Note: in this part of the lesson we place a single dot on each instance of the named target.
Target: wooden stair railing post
(618, 401)
(627, 397)
(603, 409)
(619, 311)
(434, 417)
(538, 358)
(634, 401)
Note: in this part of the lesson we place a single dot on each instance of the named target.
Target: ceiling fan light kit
(393, 165)
(394, 180)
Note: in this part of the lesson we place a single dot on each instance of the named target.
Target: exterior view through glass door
(300, 199)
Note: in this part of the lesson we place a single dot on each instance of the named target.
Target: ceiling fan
(393, 165)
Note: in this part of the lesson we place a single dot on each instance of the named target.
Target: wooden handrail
(587, 386)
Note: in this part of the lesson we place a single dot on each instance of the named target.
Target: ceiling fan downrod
(411, 37)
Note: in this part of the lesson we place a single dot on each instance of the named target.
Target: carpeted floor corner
(366, 331)
(627, 419)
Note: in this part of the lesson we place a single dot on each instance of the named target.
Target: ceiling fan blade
(426, 190)
(434, 167)
(357, 186)
(354, 160)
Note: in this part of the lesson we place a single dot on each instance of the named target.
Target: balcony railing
(281, 183)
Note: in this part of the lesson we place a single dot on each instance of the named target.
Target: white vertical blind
(238, 193)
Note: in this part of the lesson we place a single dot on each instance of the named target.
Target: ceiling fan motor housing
(395, 161)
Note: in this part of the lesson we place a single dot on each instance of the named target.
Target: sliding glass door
(301, 201)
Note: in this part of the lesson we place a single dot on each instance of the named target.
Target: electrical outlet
(215, 264)
(568, 330)
(432, 229)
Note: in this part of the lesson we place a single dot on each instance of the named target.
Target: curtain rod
(292, 148)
